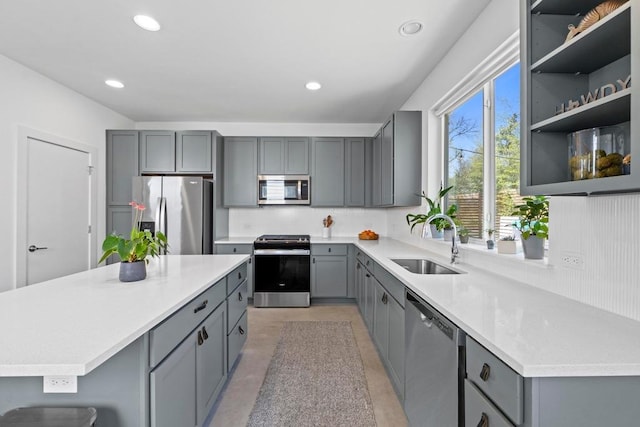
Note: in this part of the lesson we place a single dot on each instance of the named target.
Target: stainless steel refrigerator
(179, 206)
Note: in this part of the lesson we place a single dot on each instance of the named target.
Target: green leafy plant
(508, 238)
(533, 217)
(140, 243)
(490, 232)
(435, 207)
(463, 231)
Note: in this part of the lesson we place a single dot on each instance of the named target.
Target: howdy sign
(601, 92)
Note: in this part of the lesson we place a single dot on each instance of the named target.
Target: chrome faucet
(454, 246)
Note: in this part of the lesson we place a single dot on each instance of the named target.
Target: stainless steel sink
(424, 266)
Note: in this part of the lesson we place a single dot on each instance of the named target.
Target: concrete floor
(238, 397)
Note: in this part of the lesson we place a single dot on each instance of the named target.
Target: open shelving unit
(582, 83)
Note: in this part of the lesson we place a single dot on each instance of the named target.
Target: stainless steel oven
(282, 271)
(283, 190)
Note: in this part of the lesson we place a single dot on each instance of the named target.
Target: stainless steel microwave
(283, 190)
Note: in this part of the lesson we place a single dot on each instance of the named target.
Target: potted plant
(490, 242)
(435, 207)
(533, 224)
(134, 250)
(507, 245)
(463, 234)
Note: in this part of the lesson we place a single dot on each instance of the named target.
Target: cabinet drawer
(328, 249)
(234, 249)
(236, 340)
(168, 334)
(477, 409)
(501, 384)
(364, 259)
(390, 283)
(236, 277)
(237, 304)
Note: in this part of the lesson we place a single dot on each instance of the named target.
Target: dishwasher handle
(430, 317)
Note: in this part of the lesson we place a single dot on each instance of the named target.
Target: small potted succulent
(490, 242)
(507, 245)
(134, 250)
(533, 224)
(463, 234)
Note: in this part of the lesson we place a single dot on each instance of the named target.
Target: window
(483, 155)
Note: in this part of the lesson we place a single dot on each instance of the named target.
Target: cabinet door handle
(240, 330)
(484, 420)
(202, 306)
(205, 335)
(314, 260)
(485, 372)
(235, 250)
(385, 298)
(200, 339)
(368, 275)
(358, 266)
(239, 296)
(239, 275)
(329, 250)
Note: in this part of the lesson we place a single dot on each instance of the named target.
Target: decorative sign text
(601, 92)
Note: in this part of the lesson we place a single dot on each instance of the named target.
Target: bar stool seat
(49, 417)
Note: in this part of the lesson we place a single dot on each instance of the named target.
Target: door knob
(34, 248)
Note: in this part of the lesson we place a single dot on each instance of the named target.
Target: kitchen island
(111, 337)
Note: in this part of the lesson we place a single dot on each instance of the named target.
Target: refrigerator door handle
(159, 215)
(163, 217)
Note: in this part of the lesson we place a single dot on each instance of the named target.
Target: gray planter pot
(464, 239)
(435, 233)
(490, 244)
(133, 271)
(533, 247)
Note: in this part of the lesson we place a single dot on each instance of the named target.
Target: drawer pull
(485, 372)
(385, 298)
(205, 335)
(240, 330)
(484, 420)
(239, 275)
(329, 250)
(239, 296)
(200, 339)
(201, 307)
(368, 275)
(235, 250)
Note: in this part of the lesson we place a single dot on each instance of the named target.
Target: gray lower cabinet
(283, 156)
(327, 172)
(184, 386)
(240, 249)
(240, 171)
(329, 265)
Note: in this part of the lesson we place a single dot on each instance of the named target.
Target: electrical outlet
(572, 260)
(60, 384)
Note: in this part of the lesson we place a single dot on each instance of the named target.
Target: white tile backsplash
(250, 222)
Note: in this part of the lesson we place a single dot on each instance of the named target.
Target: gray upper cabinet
(177, 152)
(194, 152)
(157, 151)
(283, 156)
(355, 169)
(575, 85)
(240, 171)
(397, 161)
(122, 165)
(327, 174)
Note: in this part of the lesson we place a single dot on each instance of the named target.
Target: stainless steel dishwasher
(434, 368)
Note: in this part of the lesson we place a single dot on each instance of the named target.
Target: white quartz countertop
(537, 333)
(71, 325)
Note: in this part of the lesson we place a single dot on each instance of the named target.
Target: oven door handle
(282, 252)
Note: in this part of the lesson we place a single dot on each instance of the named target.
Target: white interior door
(57, 239)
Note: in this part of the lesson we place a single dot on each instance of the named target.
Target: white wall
(34, 101)
(604, 231)
(252, 222)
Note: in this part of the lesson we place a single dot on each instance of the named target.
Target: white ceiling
(237, 60)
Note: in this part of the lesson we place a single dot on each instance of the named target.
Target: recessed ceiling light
(313, 85)
(146, 22)
(114, 83)
(410, 28)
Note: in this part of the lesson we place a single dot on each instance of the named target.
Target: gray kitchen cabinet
(575, 85)
(355, 171)
(194, 152)
(157, 151)
(397, 161)
(369, 299)
(381, 319)
(359, 287)
(119, 219)
(329, 271)
(240, 249)
(122, 165)
(395, 355)
(211, 361)
(283, 156)
(240, 171)
(327, 172)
